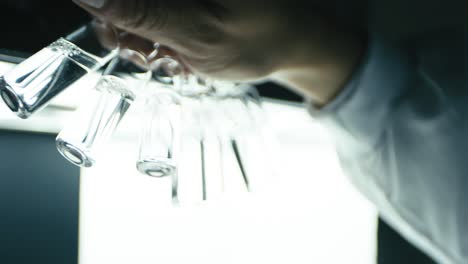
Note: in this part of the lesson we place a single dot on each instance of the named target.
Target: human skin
(295, 43)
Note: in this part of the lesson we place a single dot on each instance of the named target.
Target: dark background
(39, 197)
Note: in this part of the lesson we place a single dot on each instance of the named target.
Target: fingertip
(131, 41)
(107, 34)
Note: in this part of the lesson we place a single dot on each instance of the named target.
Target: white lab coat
(401, 132)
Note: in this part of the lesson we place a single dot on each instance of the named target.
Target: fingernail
(92, 3)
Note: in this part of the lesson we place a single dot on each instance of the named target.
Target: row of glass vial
(131, 77)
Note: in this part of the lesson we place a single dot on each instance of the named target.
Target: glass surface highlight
(32, 84)
(96, 121)
(160, 135)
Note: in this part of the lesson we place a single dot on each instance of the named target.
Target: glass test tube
(30, 85)
(160, 136)
(96, 121)
(237, 126)
(249, 141)
(265, 140)
(211, 148)
(161, 132)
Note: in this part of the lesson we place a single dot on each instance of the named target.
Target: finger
(148, 49)
(107, 34)
(188, 27)
(136, 16)
(131, 41)
(111, 38)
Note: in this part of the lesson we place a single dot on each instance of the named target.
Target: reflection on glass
(34, 82)
(96, 121)
(242, 133)
(160, 135)
(210, 147)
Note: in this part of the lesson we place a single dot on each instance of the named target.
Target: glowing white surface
(309, 213)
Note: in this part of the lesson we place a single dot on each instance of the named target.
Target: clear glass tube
(160, 134)
(30, 85)
(210, 148)
(237, 118)
(247, 137)
(160, 130)
(96, 121)
(240, 131)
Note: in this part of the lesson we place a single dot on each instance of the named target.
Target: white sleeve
(401, 132)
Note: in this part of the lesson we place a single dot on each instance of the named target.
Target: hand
(289, 41)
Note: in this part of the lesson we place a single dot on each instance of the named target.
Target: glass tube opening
(74, 154)
(10, 100)
(158, 168)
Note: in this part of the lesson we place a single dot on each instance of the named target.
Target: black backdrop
(39, 196)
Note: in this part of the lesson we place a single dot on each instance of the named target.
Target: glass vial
(97, 120)
(160, 130)
(160, 134)
(33, 83)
